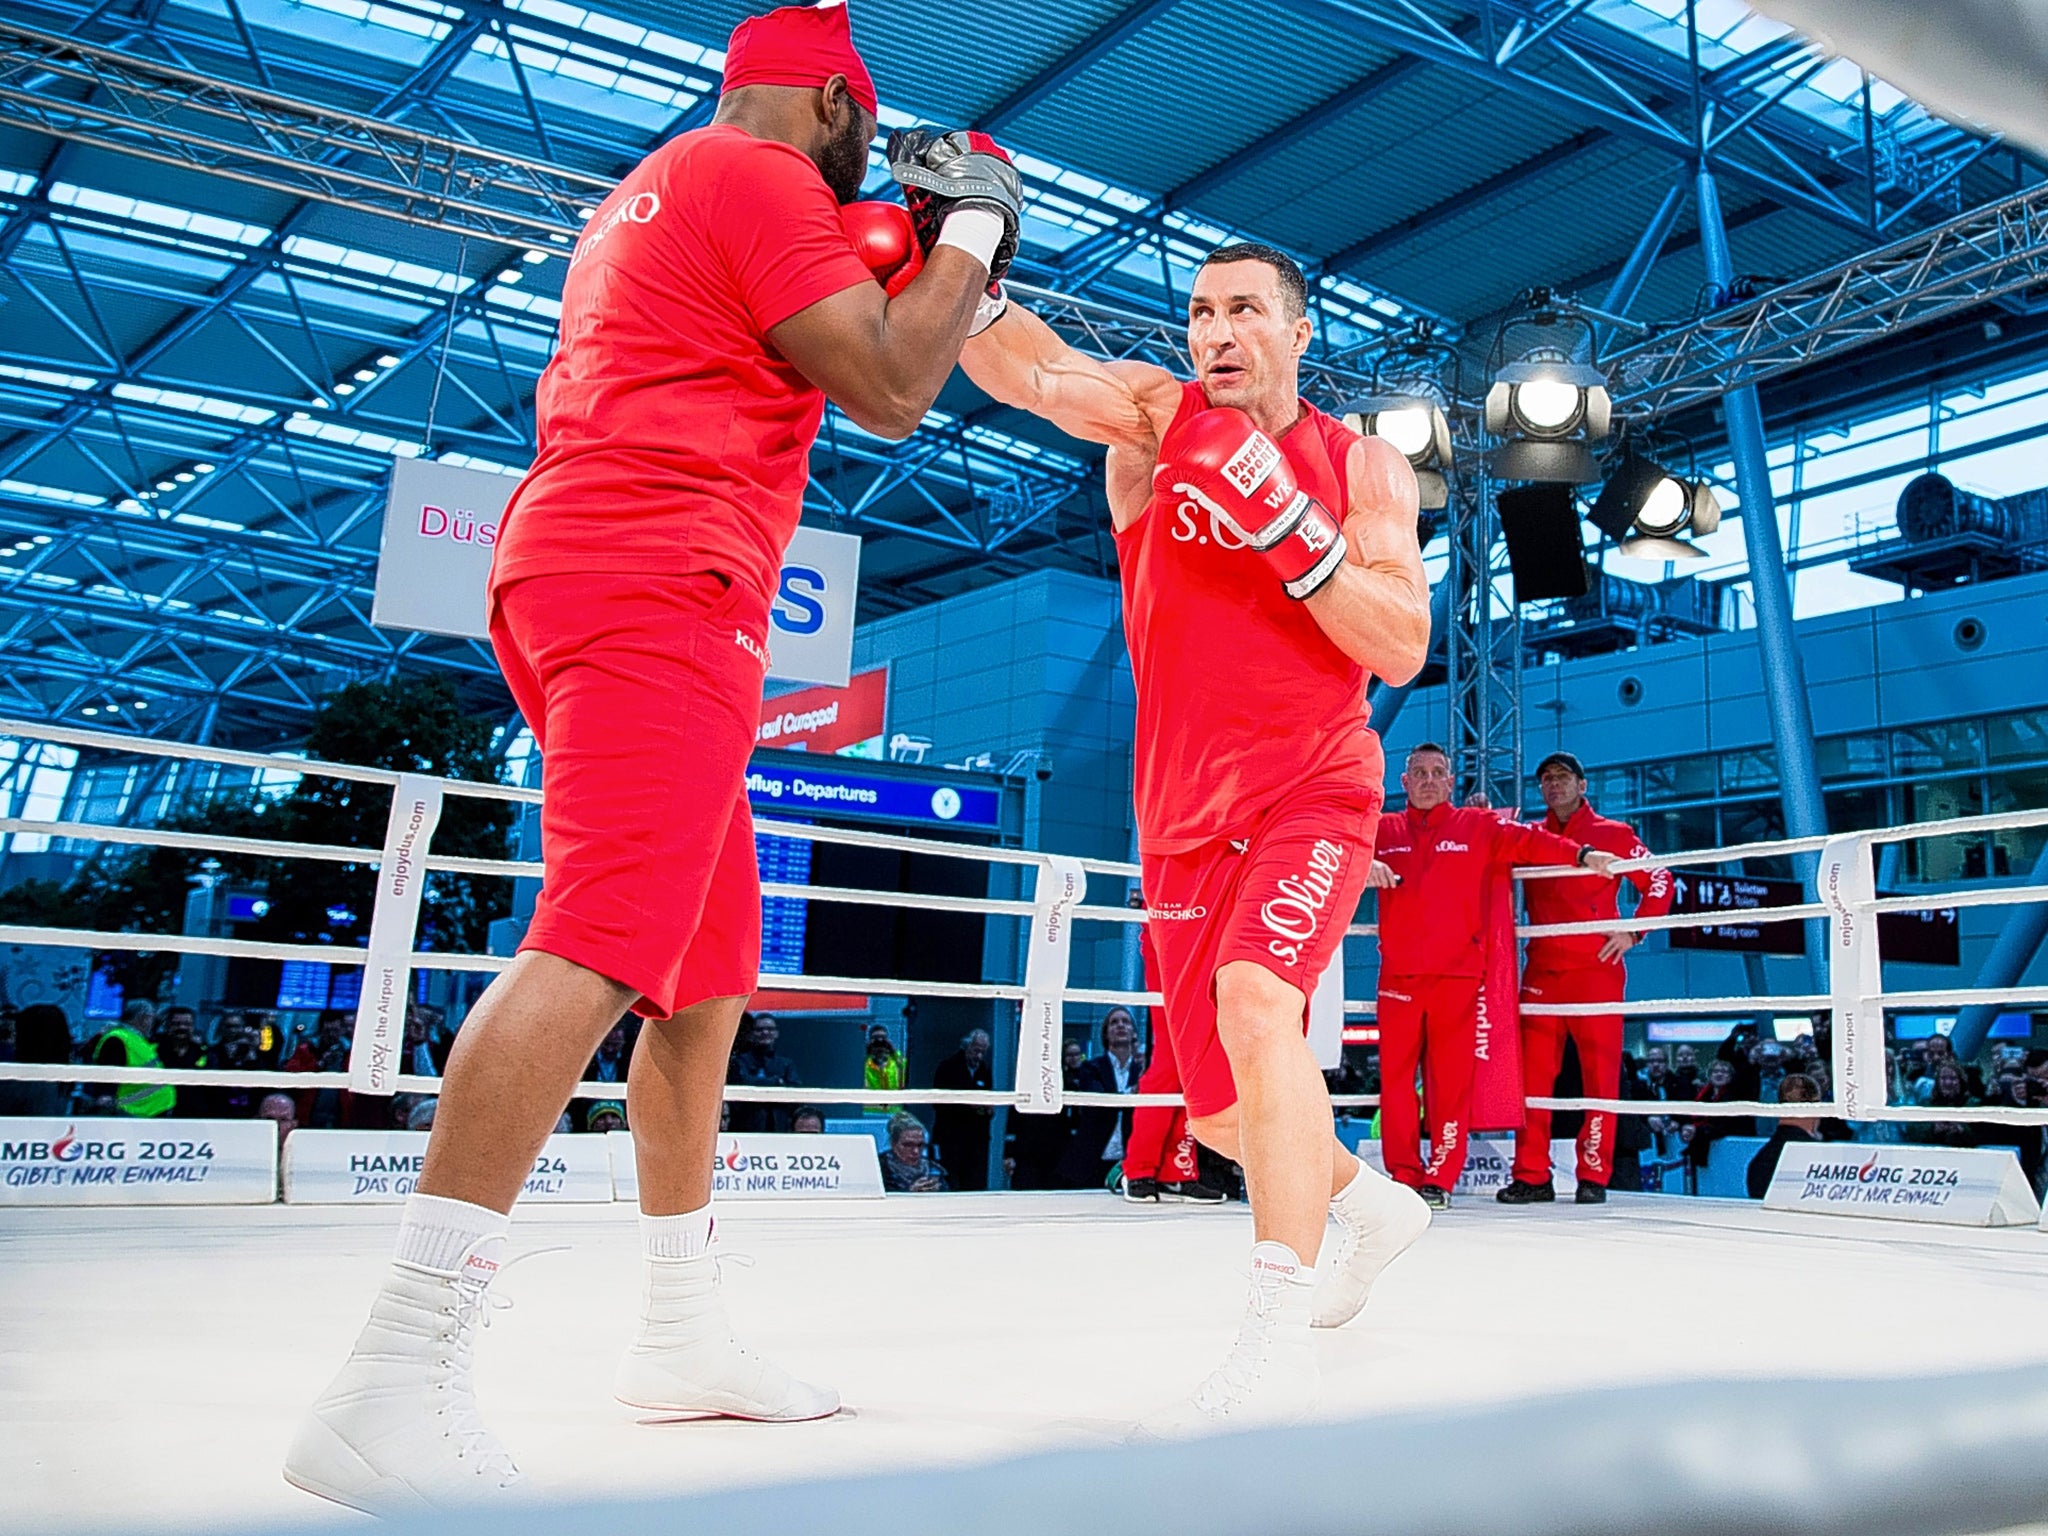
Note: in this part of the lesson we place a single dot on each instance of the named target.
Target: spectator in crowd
(425, 1054)
(1933, 1051)
(2037, 1068)
(884, 1069)
(178, 1046)
(1699, 1135)
(1098, 1144)
(238, 1048)
(755, 1064)
(281, 1109)
(327, 1051)
(605, 1116)
(809, 1120)
(128, 1044)
(963, 1129)
(1768, 1056)
(907, 1169)
(1796, 1088)
(2015, 1090)
(1632, 1137)
(1685, 1073)
(607, 1065)
(43, 1035)
(1037, 1151)
(1948, 1089)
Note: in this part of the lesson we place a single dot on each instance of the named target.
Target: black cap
(1561, 760)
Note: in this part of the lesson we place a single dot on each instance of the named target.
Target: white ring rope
(1011, 908)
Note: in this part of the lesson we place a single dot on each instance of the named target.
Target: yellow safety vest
(146, 1101)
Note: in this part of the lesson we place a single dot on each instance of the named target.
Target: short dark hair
(1293, 281)
(1798, 1088)
(1429, 746)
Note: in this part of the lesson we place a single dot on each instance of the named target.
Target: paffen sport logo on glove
(1249, 467)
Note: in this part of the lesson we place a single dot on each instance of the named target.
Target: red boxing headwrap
(799, 45)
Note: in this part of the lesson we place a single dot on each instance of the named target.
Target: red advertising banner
(844, 720)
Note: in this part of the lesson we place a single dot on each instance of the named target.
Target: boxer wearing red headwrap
(1269, 567)
(713, 304)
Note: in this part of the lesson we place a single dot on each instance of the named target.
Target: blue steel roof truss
(296, 368)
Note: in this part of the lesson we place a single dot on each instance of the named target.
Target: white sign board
(1489, 1164)
(1957, 1186)
(137, 1162)
(1326, 1016)
(751, 1165)
(381, 1168)
(441, 524)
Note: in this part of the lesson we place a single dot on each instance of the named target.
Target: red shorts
(644, 695)
(1281, 896)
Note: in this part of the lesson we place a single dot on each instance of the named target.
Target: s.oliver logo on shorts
(1295, 911)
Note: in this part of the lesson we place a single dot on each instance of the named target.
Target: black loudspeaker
(1545, 549)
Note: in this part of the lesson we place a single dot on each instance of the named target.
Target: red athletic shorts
(1280, 896)
(644, 695)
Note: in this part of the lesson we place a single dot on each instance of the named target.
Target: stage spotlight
(1648, 509)
(1549, 409)
(1417, 427)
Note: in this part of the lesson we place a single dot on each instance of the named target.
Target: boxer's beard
(844, 164)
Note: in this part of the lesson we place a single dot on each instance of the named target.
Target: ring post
(373, 1057)
(1847, 885)
(1061, 885)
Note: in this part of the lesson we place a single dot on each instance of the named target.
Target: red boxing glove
(885, 239)
(1239, 474)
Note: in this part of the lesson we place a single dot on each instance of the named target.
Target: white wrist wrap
(977, 231)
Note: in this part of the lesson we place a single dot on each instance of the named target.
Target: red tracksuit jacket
(1434, 922)
(1587, 898)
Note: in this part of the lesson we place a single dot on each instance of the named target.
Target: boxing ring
(1654, 1364)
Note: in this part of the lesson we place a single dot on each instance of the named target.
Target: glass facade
(1872, 779)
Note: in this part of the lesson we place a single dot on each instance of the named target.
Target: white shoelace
(472, 1308)
(1233, 1381)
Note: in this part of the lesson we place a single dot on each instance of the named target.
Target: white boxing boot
(1377, 1220)
(398, 1429)
(686, 1361)
(1270, 1376)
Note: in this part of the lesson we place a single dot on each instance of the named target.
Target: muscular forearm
(1377, 617)
(922, 329)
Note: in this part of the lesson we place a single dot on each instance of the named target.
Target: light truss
(1559, 54)
(1993, 252)
(142, 107)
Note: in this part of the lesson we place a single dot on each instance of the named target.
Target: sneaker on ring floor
(1435, 1197)
(685, 1359)
(1270, 1376)
(1590, 1194)
(1377, 1221)
(397, 1429)
(1521, 1192)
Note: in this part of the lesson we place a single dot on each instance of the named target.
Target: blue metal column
(1784, 674)
(2017, 941)
(1628, 282)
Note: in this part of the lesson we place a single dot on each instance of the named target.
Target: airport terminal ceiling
(207, 368)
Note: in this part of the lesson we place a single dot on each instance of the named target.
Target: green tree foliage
(413, 725)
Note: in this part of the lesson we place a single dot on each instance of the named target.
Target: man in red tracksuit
(1576, 968)
(1431, 865)
(1160, 1163)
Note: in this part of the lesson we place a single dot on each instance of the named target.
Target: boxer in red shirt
(1269, 567)
(714, 302)
(1576, 968)
(1432, 865)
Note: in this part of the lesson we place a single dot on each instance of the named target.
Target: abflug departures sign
(791, 790)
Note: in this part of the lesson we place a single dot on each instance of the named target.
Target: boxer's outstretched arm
(1022, 363)
(883, 361)
(1376, 608)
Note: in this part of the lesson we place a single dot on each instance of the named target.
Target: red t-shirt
(1590, 898)
(1436, 921)
(1242, 698)
(673, 437)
